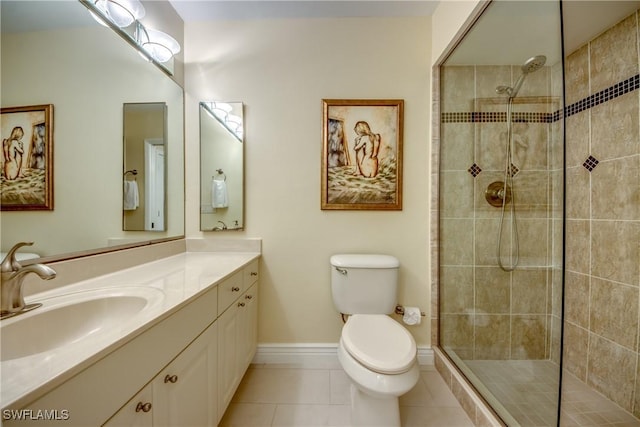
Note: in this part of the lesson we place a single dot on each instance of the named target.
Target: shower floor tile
(528, 389)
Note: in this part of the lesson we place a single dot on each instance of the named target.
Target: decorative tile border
(605, 95)
(496, 117)
(612, 92)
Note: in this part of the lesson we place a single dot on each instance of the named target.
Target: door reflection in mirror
(221, 166)
(144, 192)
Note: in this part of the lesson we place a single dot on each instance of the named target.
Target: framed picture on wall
(362, 154)
(27, 160)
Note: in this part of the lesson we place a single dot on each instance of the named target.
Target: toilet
(376, 352)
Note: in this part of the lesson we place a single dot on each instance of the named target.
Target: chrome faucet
(219, 228)
(12, 274)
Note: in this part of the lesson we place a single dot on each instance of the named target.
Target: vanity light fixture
(120, 12)
(159, 45)
(221, 111)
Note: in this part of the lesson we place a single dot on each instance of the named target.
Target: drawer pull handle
(235, 289)
(248, 296)
(171, 379)
(253, 273)
(144, 407)
(240, 304)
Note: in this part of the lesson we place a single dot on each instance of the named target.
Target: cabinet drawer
(229, 290)
(251, 274)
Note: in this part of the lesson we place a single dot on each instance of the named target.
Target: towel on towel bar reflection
(219, 196)
(131, 199)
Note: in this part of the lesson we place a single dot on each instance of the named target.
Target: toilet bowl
(379, 356)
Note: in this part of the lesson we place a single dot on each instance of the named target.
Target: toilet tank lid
(364, 261)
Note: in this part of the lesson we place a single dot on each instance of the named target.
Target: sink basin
(71, 318)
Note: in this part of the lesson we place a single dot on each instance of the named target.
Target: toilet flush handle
(342, 271)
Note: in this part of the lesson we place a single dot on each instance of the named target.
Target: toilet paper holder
(400, 311)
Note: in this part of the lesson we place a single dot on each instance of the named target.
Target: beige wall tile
(614, 127)
(615, 251)
(489, 77)
(555, 350)
(457, 334)
(614, 312)
(578, 246)
(457, 290)
(528, 337)
(492, 291)
(636, 404)
(490, 144)
(577, 295)
(534, 242)
(578, 138)
(458, 88)
(458, 187)
(615, 188)
(576, 346)
(578, 204)
(576, 78)
(457, 148)
(614, 55)
(492, 337)
(456, 240)
(529, 291)
(485, 241)
(532, 189)
(611, 368)
(531, 142)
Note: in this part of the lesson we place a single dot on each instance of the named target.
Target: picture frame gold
(362, 154)
(27, 162)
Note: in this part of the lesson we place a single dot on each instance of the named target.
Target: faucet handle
(10, 263)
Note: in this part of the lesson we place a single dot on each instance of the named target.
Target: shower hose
(509, 186)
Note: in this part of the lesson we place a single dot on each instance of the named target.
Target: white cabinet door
(138, 412)
(184, 393)
(248, 327)
(228, 376)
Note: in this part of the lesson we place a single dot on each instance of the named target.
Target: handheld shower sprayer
(531, 65)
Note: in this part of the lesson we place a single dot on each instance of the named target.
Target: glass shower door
(501, 209)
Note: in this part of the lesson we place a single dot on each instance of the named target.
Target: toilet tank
(364, 283)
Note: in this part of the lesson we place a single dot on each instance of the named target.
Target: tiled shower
(576, 173)
(602, 275)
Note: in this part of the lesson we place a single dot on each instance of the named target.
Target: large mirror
(221, 166)
(55, 53)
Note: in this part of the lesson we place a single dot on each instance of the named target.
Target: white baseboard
(314, 356)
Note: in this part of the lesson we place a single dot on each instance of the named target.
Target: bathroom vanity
(180, 333)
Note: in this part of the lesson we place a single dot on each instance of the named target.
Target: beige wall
(449, 19)
(281, 70)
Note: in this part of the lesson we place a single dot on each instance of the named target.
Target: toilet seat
(379, 343)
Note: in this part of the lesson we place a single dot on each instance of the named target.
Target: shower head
(534, 64)
(531, 65)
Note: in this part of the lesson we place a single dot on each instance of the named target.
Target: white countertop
(177, 279)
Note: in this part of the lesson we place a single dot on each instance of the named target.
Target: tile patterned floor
(281, 395)
(528, 389)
